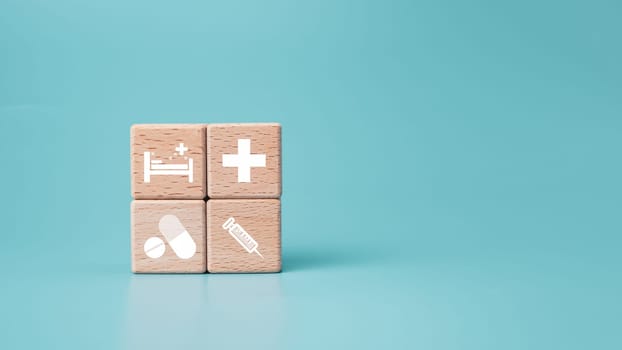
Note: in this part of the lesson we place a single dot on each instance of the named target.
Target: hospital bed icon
(154, 167)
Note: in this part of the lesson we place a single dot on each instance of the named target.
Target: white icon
(154, 247)
(177, 237)
(239, 233)
(157, 167)
(181, 149)
(244, 160)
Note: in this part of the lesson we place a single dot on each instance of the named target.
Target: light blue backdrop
(451, 171)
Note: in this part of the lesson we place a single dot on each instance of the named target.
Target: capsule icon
(177, 236)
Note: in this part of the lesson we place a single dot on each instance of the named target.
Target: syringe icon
(239, 233)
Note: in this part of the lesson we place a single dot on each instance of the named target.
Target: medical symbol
(177, 237)
(181, 149)
(244, 160)
(239, 233)
(157, 167)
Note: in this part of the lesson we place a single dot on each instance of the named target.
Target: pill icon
(177, 237)
(154, 247)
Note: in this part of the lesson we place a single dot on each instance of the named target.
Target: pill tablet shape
(154, 247)
(176, 235)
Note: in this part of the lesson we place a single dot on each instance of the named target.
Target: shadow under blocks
(206, 198)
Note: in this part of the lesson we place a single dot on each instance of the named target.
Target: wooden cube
(244, 160)
(168, 161)
(243, 235)
(168, 236)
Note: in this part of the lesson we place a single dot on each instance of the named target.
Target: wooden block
(168, 161)
(244, 235)
(168, 236)
(244, 160)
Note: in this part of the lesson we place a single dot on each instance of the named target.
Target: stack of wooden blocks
(206, 198)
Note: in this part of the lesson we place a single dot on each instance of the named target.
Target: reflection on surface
(169, 311)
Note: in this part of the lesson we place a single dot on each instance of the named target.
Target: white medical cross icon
(244, 160)
(181, 149)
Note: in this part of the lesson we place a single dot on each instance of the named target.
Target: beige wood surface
(223, 181)
(146, 215)
(161, 141)
(261, 218)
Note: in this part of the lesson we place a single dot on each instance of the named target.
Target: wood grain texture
(146, 215)
(261, 218)
(162, 140)
(265, 181)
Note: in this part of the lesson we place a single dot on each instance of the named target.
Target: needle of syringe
(258, 253)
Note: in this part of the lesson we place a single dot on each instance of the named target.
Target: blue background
(451, 171)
